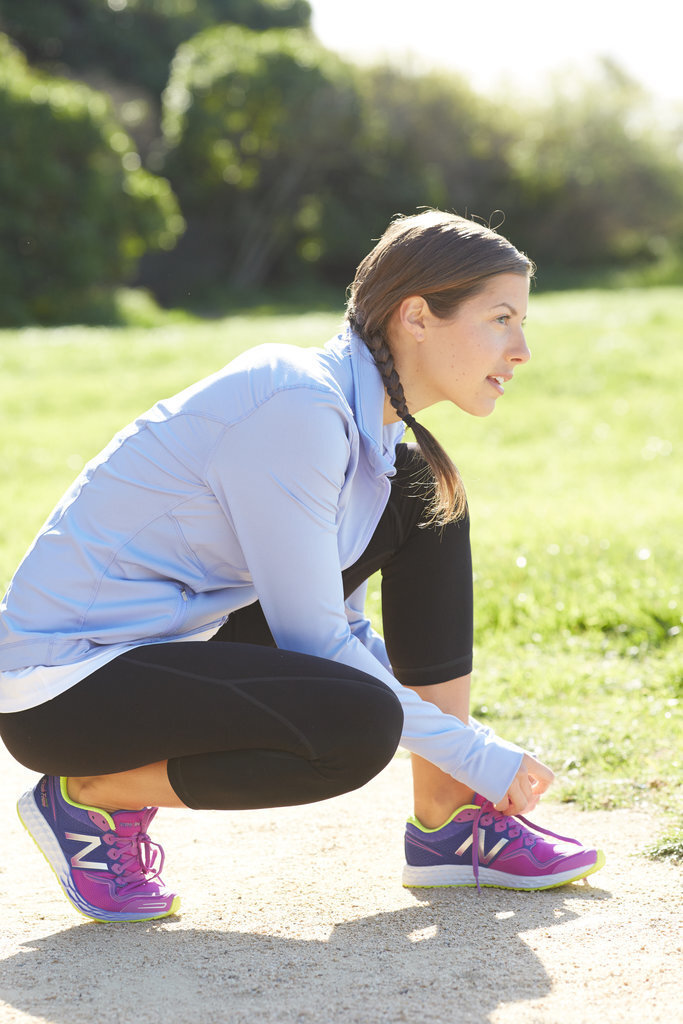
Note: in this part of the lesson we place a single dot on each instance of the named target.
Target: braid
(450, 501)
(384, 361)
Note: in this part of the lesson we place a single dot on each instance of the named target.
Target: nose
(520, 352)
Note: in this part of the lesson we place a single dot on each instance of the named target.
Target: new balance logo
(90, 845)
(484, 857)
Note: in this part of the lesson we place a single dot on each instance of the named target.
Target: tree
(254, 123)
(594, 181)
(132, 41)
(76, 210)
(420, 140)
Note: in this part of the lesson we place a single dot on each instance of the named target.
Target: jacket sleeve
(278, 475)
(361, 627)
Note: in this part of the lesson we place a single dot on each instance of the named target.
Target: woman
(250, 510)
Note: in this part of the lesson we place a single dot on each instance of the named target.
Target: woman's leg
(437, 795)
(188, 724)
(134, 789)
(231, 726)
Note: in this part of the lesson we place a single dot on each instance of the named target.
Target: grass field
(575, 487)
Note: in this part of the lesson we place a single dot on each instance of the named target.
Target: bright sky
(517, 41)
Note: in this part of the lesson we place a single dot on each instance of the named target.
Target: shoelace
(510, 826)
(135, 860)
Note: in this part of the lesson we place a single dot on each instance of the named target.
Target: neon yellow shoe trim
(84, 807)
(423, 828)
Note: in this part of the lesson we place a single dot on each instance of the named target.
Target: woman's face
(468, 358)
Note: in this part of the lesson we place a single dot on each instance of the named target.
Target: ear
(412, 315)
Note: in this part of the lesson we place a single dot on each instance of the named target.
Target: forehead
(510, 289)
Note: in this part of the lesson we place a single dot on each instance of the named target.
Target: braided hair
(445, 259)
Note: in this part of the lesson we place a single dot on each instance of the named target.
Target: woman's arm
(279, 482)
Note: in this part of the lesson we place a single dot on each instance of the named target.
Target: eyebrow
(507, 306)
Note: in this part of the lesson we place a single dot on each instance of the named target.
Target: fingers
(542, 776)
(530, 782)
(516, 799)
(519, 794)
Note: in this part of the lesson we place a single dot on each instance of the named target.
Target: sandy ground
(298, 915)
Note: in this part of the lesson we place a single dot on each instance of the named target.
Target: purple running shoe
(480, 846)
(105, 862)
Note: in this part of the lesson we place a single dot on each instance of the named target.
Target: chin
(478, 409)
(482, 411)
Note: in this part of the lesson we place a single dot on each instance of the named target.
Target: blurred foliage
(256, 125)
(288, 161)
(595, 179)
(76, 209)
(133, 40)
(587, 178)
(419, 141)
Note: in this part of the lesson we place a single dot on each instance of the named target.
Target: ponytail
(450, 501)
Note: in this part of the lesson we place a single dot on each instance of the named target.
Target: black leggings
(243, 724)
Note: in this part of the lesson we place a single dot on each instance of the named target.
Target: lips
(498, 380)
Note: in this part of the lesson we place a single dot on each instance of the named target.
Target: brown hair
(445, 259)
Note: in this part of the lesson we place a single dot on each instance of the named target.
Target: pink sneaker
(480, 846)
(105, 862)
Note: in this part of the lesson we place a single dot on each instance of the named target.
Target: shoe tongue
(131, 823)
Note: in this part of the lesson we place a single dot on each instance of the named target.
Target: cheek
(473, 360)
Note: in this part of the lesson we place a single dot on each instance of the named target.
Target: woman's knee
(367, 736)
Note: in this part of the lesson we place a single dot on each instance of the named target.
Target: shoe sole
(46, 841)
(451, 875)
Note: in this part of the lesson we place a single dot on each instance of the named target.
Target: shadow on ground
(452, 956)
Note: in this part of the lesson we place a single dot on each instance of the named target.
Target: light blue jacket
(263, 480)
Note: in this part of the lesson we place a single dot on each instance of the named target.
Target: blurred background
(213, 152)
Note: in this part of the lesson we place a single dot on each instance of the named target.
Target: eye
(504, 319)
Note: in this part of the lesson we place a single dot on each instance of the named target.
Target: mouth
(498, 381)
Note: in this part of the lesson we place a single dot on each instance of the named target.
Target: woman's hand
(532, 779)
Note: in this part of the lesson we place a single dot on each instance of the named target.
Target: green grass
(668, 847)
(574, 484)
(575, 488)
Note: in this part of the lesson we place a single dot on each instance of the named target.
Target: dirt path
(298, 915)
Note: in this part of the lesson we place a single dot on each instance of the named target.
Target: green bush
(76, 210)
(595, 178)
(255, 124)
(131, 40)
(421, 140)
(288, 162)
